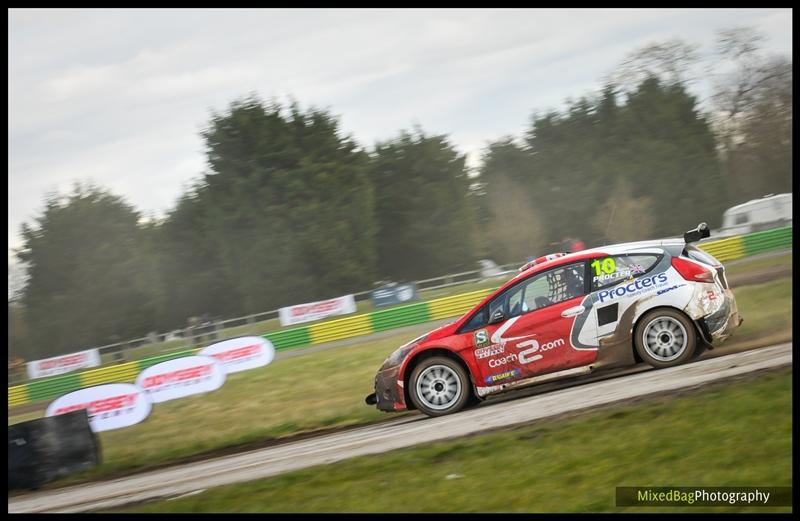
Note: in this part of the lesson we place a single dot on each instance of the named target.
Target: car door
(533, 335)
(608, 272)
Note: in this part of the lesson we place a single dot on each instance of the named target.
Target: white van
(771, 211)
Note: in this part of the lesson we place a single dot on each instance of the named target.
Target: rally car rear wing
(701, 232)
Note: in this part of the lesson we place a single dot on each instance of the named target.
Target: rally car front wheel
(439, 386)
(665, 338)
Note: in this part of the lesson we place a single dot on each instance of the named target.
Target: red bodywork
(532, 344)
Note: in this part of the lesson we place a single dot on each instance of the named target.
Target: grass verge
(729, 434)
(766, 308)
(759, 264)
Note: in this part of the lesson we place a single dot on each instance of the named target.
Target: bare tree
(746, 75)
(752, 114)
(671, 61)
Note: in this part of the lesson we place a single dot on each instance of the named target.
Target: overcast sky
(119, 96)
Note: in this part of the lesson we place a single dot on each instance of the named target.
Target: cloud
(121, 95)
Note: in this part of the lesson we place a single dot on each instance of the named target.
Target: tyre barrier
(43, 450)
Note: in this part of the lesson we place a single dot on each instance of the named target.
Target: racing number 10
(608, 266)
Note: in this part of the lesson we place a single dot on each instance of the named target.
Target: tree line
(292, 210)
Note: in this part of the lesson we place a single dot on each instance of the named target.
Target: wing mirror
(497, 316)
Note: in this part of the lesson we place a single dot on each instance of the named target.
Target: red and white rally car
(660, 302)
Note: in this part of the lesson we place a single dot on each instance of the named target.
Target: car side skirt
(575, 371)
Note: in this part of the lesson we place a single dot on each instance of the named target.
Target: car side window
(478, 320)
(611, 270)
(508, 301)
(542, 290)
(537, 288)
(554, 286)
(498, 302)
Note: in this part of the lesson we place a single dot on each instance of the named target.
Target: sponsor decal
(488, 351)
(533, 349)
(63, 364)
(633, 288)
(481, 338)
(109, 406)
(503, 376)
(181, 377)
(241, 354)
(636, 268)
(607, 266)
(626, 273)
(676, 286)
(607, 270)
(606, 277)
(497, 337)
(405, 293)
(394, 294)
(317, 310)
(497, 362)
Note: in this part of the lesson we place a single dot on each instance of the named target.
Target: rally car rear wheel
(665, 338)
(439, 386)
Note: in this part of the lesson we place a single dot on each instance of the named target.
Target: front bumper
(389, 395)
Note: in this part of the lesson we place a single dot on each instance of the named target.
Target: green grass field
(759, 263)
(293, 395)
(315, 391)
(766, 308)
(730, 434)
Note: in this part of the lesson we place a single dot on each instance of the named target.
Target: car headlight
(397, 356)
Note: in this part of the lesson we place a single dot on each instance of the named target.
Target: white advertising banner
(317, 310)
(63, 364)
(181, 377)
(241, 354)
(109, 406)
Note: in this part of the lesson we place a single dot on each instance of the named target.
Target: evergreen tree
(426, 217)
(288, 204)
(87, 279)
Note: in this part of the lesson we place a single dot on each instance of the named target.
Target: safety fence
(359, 325)
(302, 336)
(217, 327)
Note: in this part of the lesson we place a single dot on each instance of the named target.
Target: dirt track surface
(404, 432)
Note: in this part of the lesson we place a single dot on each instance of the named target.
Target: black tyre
(665, 338)
(439, 386)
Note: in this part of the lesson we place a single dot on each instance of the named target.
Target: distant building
(770, 211)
